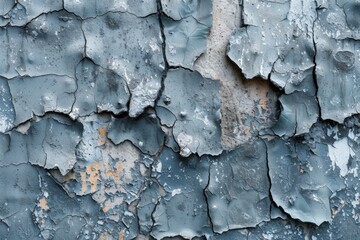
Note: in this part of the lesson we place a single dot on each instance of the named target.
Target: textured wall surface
(179, 119)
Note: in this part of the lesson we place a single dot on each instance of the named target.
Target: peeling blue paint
(109, 130)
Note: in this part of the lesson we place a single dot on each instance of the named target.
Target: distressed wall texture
(179, 119)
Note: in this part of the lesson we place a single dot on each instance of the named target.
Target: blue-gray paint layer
(110, 130)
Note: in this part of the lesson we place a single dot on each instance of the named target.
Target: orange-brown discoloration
(247, 131)
(44, 207)
(43, 204)
(91, 177)
(106, 207)
(110, 204)
(116, 172)
(102, 236)
(94, 174)
(115, 164)
(263, 104)
(102, 135)
(83, 182)
(121, 235)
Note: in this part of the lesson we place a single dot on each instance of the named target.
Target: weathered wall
(246, 106)
(172, 119)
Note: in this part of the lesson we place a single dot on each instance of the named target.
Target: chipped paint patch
(340, 153)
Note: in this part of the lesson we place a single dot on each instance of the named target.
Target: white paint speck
(176, 192)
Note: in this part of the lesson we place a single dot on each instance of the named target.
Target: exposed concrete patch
(247, 106)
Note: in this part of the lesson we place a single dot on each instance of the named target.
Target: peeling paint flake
(186, 28)
(195, 102)
(123, 43)
(238, 189)
(38, 49)
(302, 180)
(145, 133)
(51, 143)
(183, 210)
(98, 90)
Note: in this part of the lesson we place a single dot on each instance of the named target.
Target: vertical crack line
(164, 73)
(155, 180)
(43, 142)
(314, 61)
(241, 3)
(152, 215)
(85, 40)
(76, 89)
(207, 200)
(269, 178)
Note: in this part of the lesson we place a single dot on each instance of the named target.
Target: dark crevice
(314, 61)
(181, 67)
(85, 45)
(76, 82)
(104, 14)
(152, 215)
(207, 200)
(35, 117)
(242, 22)
(42, 146)
(164, 73)
(45, 13)
(268, 176)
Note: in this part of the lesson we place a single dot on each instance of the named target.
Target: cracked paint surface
(159, 119)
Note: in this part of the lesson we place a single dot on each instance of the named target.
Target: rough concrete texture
(179, 119)
(246, 106)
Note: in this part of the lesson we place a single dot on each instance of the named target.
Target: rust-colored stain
(94, 175)
(83, 182)
(102, 236)
(121, 235)
(116, 172)
(263, 103)
(247, 131)
(110, 204)
(44, 207)
(102, 135)
(90, 175)
(43, 204)
(106, 207)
